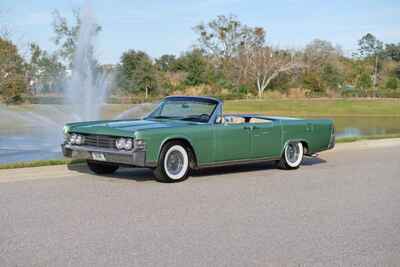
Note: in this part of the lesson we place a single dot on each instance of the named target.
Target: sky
(166, 26)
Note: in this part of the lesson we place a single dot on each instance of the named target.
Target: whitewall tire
(292, 156)
(174, 163)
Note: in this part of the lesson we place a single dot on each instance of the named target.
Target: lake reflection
(365, 126)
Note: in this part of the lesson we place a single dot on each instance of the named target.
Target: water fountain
(87, 88)
(38, 133)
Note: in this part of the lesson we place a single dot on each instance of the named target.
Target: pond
(366, 126)
(27, 135)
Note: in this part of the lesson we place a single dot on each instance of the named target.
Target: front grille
(100, 141)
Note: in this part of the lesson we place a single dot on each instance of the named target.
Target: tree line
(228, 60)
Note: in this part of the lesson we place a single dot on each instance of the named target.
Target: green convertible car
(185, 133)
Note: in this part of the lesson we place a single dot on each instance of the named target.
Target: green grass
(285, 107)
(39, 163)
(369, 137)
(317, 107)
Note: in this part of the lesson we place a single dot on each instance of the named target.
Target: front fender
(176, 137)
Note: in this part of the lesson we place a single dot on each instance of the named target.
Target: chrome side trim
(234, 162)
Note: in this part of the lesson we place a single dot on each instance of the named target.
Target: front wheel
(292, 156)
(173, 164)
(101, 168)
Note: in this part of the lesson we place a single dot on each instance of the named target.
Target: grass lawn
(317, 107)
(40, 163)
(287, 107)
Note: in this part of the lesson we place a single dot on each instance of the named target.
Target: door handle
(249, 128)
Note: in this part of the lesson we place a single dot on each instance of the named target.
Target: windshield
(180, 109)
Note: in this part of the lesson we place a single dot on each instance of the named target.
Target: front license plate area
(98, 156)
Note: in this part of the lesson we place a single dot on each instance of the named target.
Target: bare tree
(264, 64)
(225, 36)
(225, 39)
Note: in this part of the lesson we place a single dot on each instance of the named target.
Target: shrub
(13, 89)
(392, 83)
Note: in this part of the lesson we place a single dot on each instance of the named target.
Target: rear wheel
(101, 168)
(173, 165)
(292, 156)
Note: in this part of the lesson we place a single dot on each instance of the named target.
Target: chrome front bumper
(134, 158)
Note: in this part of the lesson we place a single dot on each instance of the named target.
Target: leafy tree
(67, 35)
(323, 62)
(331, 76)
(166, 63)
(392, 51)
(312, 81)
(45, 70)
(196, 67)
(137, 72)
(396, 72)
(12, 73)
(364, 82)
(371, 48)
(392, 83)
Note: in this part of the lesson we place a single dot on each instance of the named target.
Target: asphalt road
(340, 210)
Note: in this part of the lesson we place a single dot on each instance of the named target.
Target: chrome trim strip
(98, 149)
(233, 162)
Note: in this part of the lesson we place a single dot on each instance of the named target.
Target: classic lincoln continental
(185, 133)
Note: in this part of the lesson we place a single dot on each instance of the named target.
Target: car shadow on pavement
(143, 174)
(137, 174)
(308, 161)
(269, 165)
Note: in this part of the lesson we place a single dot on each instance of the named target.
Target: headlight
(124, 143)
(128, 144)
(79, 140)
(72, 138)
(120, 143)
(76, 139)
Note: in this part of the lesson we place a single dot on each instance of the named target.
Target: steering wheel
(204, 117)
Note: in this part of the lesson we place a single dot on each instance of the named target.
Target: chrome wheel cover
(292, 153)
(175, 162)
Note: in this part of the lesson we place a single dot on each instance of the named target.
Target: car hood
(122, 127)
